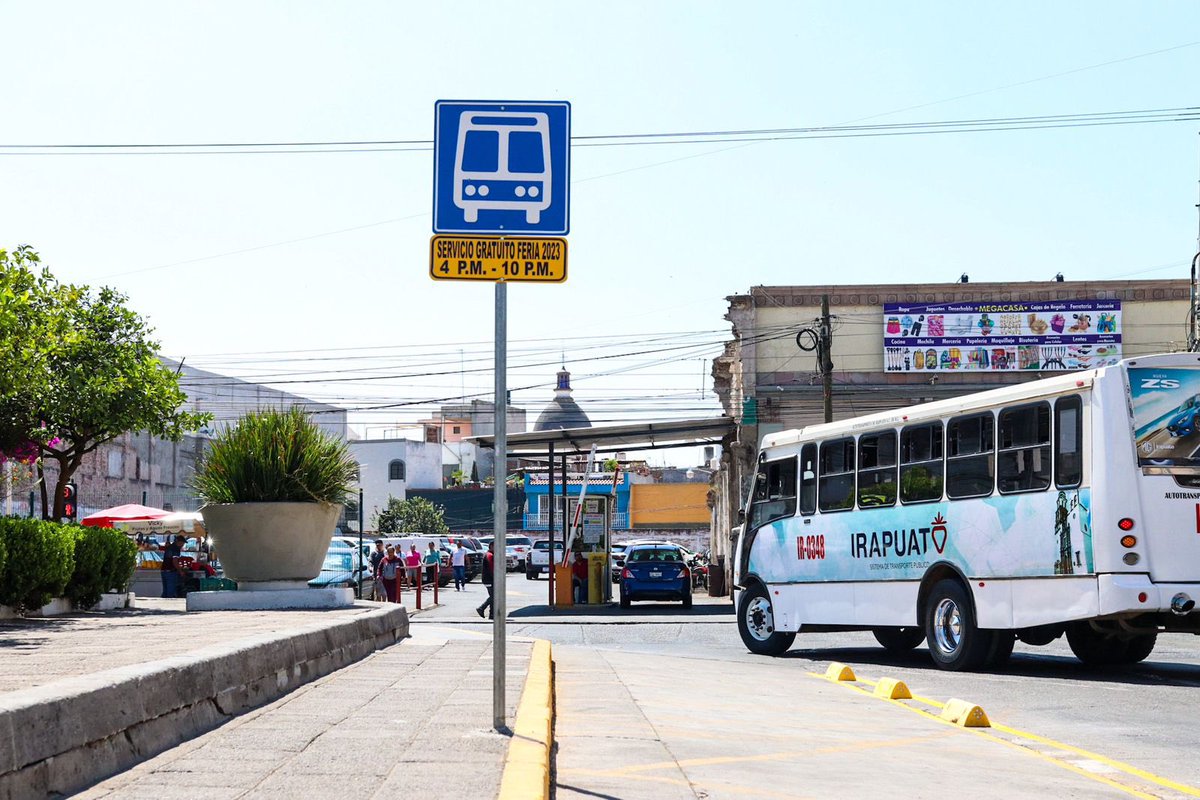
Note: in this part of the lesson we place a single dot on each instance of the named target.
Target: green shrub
(275, 456)
(41, 559)
(104, 561)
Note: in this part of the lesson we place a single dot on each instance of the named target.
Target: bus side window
(1024, 449)
(970, 466)
(1068, 442)
(808, 479)
(877, 469)
(836, 482)
(774, 492)
(921, 463)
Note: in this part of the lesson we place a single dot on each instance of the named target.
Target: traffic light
(70, 507)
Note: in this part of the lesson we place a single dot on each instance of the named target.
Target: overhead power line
(976, 125)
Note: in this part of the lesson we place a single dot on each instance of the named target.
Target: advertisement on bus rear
(1166, 416)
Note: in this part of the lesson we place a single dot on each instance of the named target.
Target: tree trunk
(41, 473)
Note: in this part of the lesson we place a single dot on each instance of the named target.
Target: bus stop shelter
(568, 442)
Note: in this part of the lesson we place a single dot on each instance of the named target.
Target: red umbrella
(125, 513)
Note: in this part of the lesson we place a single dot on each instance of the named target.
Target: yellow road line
(1128, 769)
(527, 768)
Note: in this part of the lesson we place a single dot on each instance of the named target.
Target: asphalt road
(1143, 715)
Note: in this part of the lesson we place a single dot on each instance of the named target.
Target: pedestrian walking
(486, 577)
(413, 560)
(458, 560)
(390, 567)
(432, 561)
(170, 572)
(377, 555)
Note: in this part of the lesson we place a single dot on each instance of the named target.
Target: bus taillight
(1128, 540)
(1125, 524)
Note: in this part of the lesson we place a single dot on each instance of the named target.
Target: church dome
(562, 411)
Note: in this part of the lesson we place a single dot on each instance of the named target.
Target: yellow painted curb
(892, 689)
(527, 769)
(839, 672)
(965, 715)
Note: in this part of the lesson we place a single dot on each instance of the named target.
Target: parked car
(616, 560)
(340, 568)
(517, 552)
(655, 572)
(538, 562)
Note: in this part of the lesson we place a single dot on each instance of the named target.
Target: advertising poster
(1042, 336)
(1166, 405)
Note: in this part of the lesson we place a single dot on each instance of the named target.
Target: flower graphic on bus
(938, 528)
(502, 163)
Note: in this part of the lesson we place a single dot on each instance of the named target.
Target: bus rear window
(1024, 459)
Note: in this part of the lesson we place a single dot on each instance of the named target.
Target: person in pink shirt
(412, 559)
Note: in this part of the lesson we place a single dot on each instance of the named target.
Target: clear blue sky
(659, 234)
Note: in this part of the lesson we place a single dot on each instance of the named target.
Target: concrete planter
(271, 545)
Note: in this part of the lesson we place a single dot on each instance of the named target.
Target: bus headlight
(483, 190)
(469, 190)
(519, 191)
(534, 191)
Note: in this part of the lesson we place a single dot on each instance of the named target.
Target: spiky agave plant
(275, 456)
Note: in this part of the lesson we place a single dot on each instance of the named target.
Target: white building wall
(422, 470)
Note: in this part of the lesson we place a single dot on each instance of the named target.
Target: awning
(129, 511)
(616, 438)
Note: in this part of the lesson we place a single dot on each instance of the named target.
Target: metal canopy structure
(607, 439)
(616, 438)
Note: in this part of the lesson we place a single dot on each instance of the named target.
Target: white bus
(502, 162)
(1069, 505)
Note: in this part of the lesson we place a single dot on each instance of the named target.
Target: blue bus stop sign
(502, 167)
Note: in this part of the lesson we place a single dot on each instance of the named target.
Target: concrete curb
(59, 738)
(527, 769)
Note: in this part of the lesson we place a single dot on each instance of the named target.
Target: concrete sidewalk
(633, 726)
(413, 720)
(88, 695)
(42, 650)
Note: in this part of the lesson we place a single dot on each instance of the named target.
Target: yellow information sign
(497, 258)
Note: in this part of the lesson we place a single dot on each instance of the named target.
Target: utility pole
(824, 357)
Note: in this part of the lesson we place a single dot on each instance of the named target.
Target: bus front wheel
(955, 641)
(756, 624)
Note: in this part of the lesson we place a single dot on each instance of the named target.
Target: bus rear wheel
(756, 624)
(955, 641)
(1098, 649)
(898, 641)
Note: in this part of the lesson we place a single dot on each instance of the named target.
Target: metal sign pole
(500, 506)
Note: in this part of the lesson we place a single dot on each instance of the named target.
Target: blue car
(1184, 423)
(339, 568)
(655, 572)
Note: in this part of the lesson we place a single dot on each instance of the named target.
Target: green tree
(414, 515)
(86, 371)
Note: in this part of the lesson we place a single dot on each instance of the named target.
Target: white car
(516, 552)
(538, 562)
